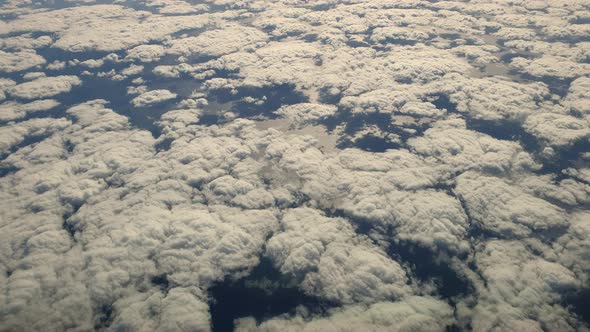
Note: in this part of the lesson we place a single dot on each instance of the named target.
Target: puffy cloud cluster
(152, 97)
(21, 60)
(332, 262)
(413, 314)
(306, 113)
(43, 87)
(13, 110)
(505, 210)
(101, 27)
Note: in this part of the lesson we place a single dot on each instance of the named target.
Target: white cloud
(100, 216)
(550, 66)
(493, 98)
(411, 314)
(45, 87)
(306, 113)
(12, 110)
(506, 210)
(522, 290)
(102, 27)
(146, 53)
(217, 42)
(20, 60)
(14, 134)
(152, 97)
(578, 97)
(557, 129)
(332, 262)
(451, 143)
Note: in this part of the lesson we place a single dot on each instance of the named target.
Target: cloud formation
(407, 165)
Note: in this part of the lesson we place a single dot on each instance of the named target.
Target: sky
(294, 165)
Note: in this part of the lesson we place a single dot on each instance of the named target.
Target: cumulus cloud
(43, 87)
(557, 129)
(332, 262)
(102, 27)
(306, 113)
(152, 97)
(412, 314)
(219, 41)
(522, 290)
(109, 226)
(451, 143)
(506, 210)
(21, 60)
(13, 110)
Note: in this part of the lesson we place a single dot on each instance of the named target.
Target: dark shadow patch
(565, 158)
(310, 38)
(209, 119)
(29, 140)
(263, 294)
(427, 268)
(104, 318)
(7, 170)
(504, 130)
(443, 102)
(273, 97)
(400, 42)
(70, 228)
(507, 58)
(579, 304)
(164, 145)
(370, 143)
(161, 281)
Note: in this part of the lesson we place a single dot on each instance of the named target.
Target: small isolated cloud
(152, 97)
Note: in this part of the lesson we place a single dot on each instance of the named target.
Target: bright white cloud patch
(17, 61)
(152, 97)
(45, 87)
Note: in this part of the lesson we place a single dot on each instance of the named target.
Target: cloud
(105, 226)
(20, 60)
(493, 98)
(332, 262)
(43, 87)
(451, 143)
(506, 210)
(549, 66)
(306, 113)
(522, 290)
(152, 97)
(219, 41)
(13, 134)
(12, 110)
(557, 129)
(146, 53)
(578, 98)
(102, 27)
(411, 314)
